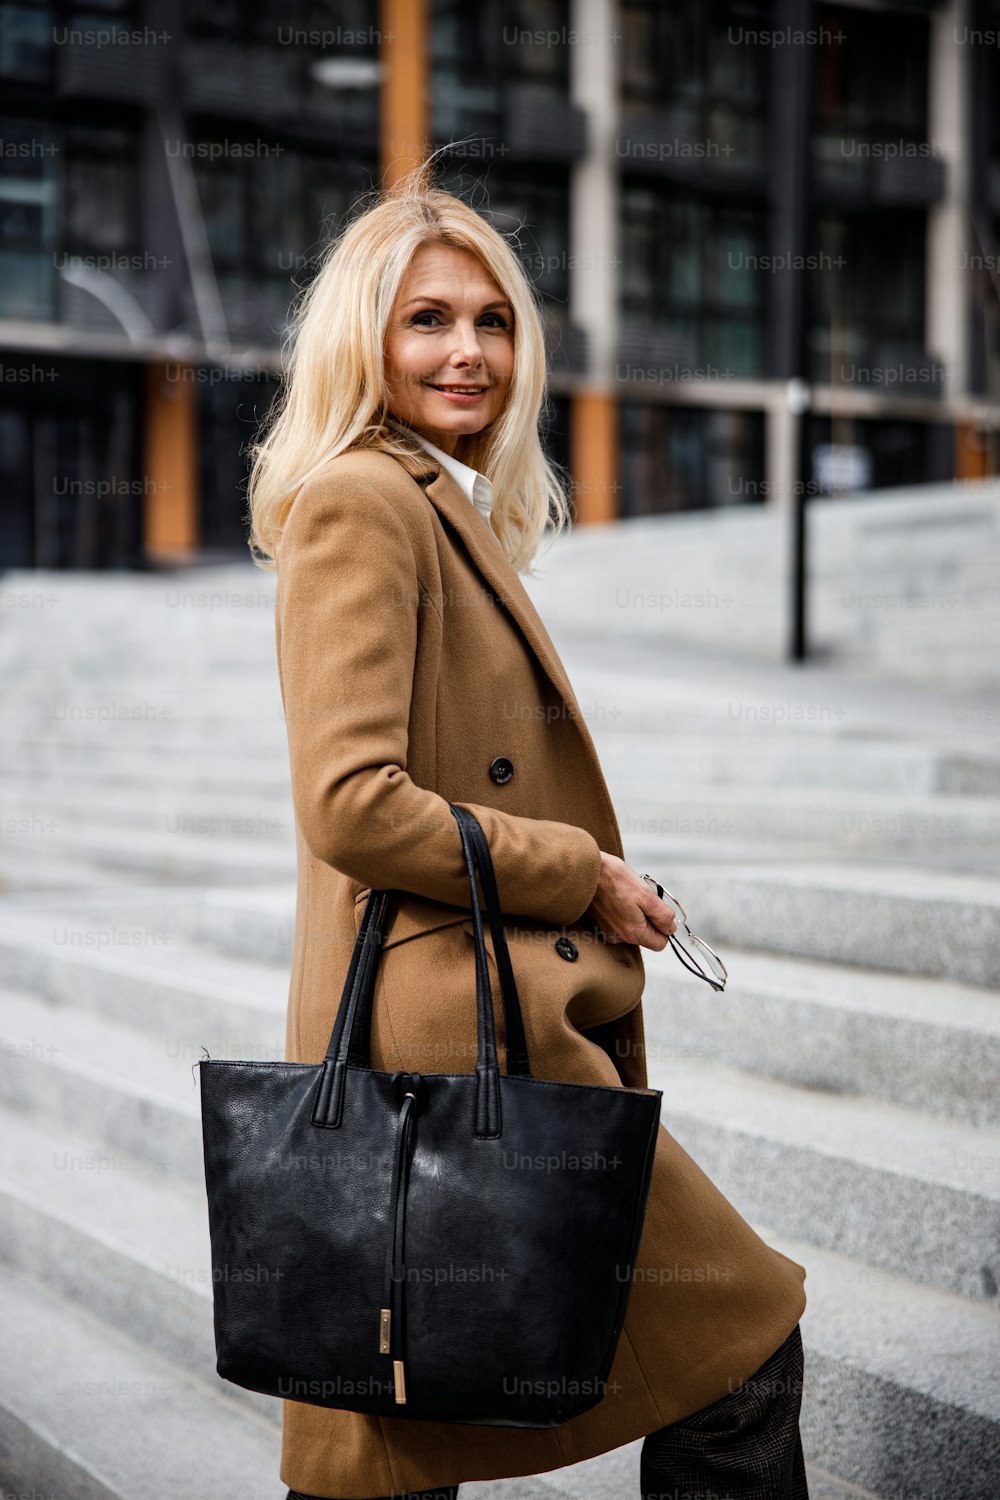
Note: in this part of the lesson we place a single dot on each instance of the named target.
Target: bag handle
(350, 1040)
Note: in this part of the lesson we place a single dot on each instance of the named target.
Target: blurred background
(716, 199)
(767, 237)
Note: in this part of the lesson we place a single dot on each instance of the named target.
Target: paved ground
(837, 840)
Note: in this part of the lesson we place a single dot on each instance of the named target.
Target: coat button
(501, 770)
(567, 949)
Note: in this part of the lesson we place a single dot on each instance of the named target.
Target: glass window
(693, 265)
(277, 209)
(535, 207)
(539, 29)
(101, 191)
(229, 416)
(213, 18)
(900, 453)
(856, 94)
(17, 541)
(328, 197)
(26, 42)
(866, 296)
(479, 51)
(66, 464)
(681, 250)
(677, 458)
(268, 216)
(639, 51)
(221, 195)
(689, 61)
(28, 220)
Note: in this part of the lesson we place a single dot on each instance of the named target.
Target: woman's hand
(627, 910)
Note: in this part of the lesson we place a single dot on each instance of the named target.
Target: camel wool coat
(415, 672)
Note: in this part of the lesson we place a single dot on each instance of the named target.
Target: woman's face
(451, 329)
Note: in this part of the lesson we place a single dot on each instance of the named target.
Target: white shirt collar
(475, 485)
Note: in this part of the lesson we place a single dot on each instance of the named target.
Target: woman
(401, 489)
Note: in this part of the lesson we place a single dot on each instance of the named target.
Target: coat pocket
(571, 972)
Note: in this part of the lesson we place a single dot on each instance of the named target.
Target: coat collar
(485, 550)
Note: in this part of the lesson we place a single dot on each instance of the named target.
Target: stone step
(150, 725)
(223, 756)
(52, 764)
(617, 698)
(935, 923)
(844, 822)
(156, 854)
(150, 979)
(36, 867)
(925, 1043)
(841, 821)
(640, 691)
(41, 848)
(66, 1066)
(917, 1356)
(252, 923)
(255, 842)
(878, 573)
(892, 767)
(146, 1266)
(928, 1044)
(911, 1192)
(893, 1187)
(154, 810)
(690, 760)
(900, 1394)
(86, 1413)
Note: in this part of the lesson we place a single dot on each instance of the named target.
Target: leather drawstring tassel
(391, 1311)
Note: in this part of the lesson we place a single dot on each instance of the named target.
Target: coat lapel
(483, 546)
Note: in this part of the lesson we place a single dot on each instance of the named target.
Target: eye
(492, 320)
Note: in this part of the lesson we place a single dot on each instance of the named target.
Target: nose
(467, 348)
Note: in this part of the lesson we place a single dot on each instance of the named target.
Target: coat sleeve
(347, 606)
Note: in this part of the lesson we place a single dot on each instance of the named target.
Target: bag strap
(516, 1045)
(328, 1108)
(350, 1039)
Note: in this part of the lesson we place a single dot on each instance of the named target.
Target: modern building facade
(766, 232)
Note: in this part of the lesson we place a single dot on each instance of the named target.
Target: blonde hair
(333, 396)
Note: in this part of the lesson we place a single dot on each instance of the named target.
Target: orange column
(594, 456)
(972, 452)
(171, 461)
(404, 112)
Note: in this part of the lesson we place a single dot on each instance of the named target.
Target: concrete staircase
(902, 581)
(836, 839)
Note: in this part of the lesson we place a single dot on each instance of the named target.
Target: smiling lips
(460, 392)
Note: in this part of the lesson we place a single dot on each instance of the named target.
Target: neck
(446, 441)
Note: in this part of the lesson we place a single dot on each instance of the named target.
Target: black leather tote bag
(448, 1247)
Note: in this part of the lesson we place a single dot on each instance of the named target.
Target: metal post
(797, 396)
(789, 158)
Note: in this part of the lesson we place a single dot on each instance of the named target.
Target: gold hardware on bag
(397, 1375)
(383, 1330)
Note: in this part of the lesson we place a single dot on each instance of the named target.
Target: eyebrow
(440, 302)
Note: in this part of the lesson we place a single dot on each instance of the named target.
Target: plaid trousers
(745, 1446)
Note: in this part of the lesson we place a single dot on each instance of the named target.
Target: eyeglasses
(693, 953)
